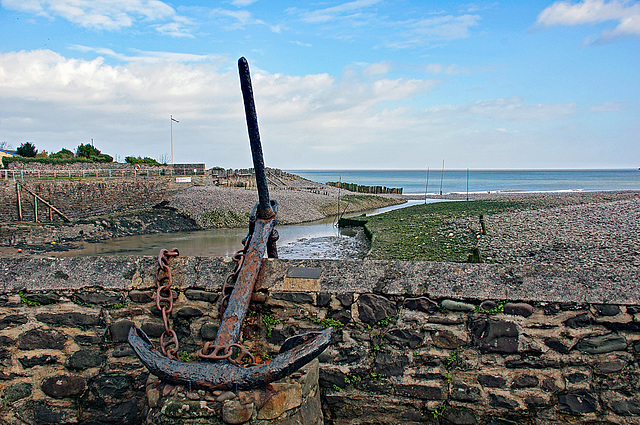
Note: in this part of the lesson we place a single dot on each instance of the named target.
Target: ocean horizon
(417, 182)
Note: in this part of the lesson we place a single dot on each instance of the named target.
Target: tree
(87, 151)
(27, 150)
(62, 154)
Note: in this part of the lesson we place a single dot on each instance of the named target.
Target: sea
(417, 182)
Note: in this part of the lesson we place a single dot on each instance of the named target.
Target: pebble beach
(598, 230)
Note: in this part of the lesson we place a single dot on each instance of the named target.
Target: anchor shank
(231, 323)
(264, 210)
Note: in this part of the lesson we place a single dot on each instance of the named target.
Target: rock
(287, 396)
(69, 319)
(342, 316)
(576, 377)
(518, 309)
(152, 329)
(607, 309)
(579, 321)
(209, 331)
(235, 413)
(626, 407)
(346, 300)
(44, 359)
(8, 320)
(555, 344)
(533, 402)
(17, 392)
(42, 298)
(294, 297)
(611, 366)
(525, 381)
(99, 298)
(446, 339)
(88, 339)
(497, 336)
(466, 393)
(85, 359)
(323, 299)
(422, 304)
(142, 297)
(189, 312)
(390, 364)
(201, 295)
(404, 337)
(602, 344)
(123, 350)
(40, 339)
(119, 331)
(502, 402)
(491, 381)
(457, 306)
(63, 386)
(423, 392)
(577, 402)
(488, 305)
(374, 308)
(112, 386)
(460, 416)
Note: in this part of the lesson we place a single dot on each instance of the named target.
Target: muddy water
(318, 240)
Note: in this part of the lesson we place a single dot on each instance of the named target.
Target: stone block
(41, 339)
(373, 308)
(287, 396)
(518, 309)
(496, 336)
(452, 305)
(69, 319)
(577, 402)
(85, 359)
(63, 386)
(602, 344)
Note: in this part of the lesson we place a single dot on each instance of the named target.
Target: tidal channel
(314, 240)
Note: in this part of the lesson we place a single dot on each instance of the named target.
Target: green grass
(421, 232)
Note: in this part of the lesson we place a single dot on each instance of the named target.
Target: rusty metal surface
(228, 365)
(223, 375)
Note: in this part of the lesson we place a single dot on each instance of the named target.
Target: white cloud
(447, 27)
(243, 3)
(626, 14)
(147, 56)
(242, 18)
(451, 69)
(107, 14)
(336, 12)
(361, 119)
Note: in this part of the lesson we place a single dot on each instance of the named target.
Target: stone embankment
(413, 343)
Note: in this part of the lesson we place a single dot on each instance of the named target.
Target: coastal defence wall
(87, 197)
(413, 343)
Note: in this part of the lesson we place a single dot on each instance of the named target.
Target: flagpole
(172, 120)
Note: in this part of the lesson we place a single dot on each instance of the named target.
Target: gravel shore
(597, 230)
(304, 201)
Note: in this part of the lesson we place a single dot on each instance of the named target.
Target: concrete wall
(413, 343)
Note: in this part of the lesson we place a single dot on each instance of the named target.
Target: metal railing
(78, 173)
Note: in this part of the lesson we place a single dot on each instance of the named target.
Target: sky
(362, 84)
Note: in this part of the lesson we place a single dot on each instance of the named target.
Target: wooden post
(484, 230)
(35, 208)
(19, 201)
(50, 215)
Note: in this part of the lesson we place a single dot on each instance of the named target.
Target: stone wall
(413, 343)
(87, 197)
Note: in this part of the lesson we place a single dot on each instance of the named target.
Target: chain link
(164, 302)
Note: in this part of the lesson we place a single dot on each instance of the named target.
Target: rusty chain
(164, 302)
(169, 345)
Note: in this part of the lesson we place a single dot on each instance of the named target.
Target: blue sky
(361, 84)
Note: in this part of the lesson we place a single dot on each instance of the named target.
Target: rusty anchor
(222, 368)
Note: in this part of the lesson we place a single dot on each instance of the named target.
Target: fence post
(19, 202)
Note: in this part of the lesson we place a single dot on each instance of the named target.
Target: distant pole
(172, 120)
(467, 184)
(426, 187)
(441, 177)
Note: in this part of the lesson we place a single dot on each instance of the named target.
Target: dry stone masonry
(406, 349)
